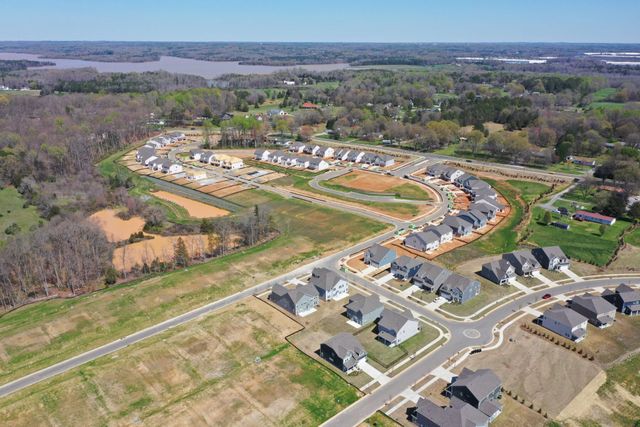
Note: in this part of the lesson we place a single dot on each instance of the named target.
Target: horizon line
(321, 42)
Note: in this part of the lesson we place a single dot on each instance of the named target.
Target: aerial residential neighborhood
(347, 214)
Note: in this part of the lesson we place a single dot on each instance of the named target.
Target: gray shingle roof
(458, 414)
(564, 316)
(344, 344)
(364, 304)
(593, 303)
(394, 320)
(324, 278)
(378, 252)
(481, 382)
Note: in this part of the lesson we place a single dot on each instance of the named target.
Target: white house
(302, 162)
(318, 164)
(149, 161)
(262, 154)
(196, 175)
(170, 167)
(566, 322)
(394, 327)
(325, 152)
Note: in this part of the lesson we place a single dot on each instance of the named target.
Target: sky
(615, 21)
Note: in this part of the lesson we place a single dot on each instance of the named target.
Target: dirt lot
(116, 229)
(372, 182)
(160, 247)
(235, 361)
(196, 209)
(530, 367)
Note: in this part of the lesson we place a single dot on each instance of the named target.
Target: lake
(206, 69)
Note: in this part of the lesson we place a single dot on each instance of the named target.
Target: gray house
(600, 312)
(500, 272)
(566, 322)
(364, 309)
(329, 284)
(394, 327)
(436, 170)
(488, 193)
(343, 351)
(300, 300)
(475, 217)
(551, 258)
(625, 298)
(145, 153)
(460, 226)
(475, 185)
(404, 267)
(524, 262)
(457, 414)
(423, 241)
(430, 277)
(487, 209)
(378, 256)
(457, 288)
(480, 389)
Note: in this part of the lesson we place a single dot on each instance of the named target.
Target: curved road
(461, 339)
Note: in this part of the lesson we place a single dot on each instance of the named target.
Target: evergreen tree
(181, 254)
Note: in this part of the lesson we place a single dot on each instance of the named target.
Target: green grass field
(633, 238)
(13, 212)
(582, 241)
(529, 190)
(603, 94)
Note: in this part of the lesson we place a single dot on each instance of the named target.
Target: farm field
(236, 360)
(373, 183)
(115, 228)
(582, 241)
(46, 332)
(194, 208)
(13, 212)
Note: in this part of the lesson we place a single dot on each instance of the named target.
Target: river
(206, 69)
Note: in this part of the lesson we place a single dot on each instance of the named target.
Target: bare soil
(117, 229)
(194, 208)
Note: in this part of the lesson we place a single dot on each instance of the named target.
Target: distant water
(171, 64)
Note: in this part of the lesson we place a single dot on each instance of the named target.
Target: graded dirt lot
(117, 229)
(376, 183)
(532, 367)
(230, 368)
(160, 247)
(196, 209)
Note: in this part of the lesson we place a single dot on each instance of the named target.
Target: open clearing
(373, 183)
(44, 333)
(158, 247)
(204, 373)
(13, 212)
(114, 228)
(194, 208)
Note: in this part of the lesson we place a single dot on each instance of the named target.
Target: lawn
(489, 292)
(47, 332)
(625, 374)
(603, 94)
(236, 361)
(633, 238)
(13, 212)
(582, 242)
(529, 190)
(570, 168)
(386, 356)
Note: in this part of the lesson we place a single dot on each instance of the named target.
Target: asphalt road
(459, 341)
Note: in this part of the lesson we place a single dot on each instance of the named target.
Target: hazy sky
(324, 20)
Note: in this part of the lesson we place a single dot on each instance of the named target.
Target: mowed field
(46, 332)
(115, 228)
(374, 183)
(230, 368)
(194, 208)
(13, 212)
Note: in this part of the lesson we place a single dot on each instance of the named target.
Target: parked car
(546, 296)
